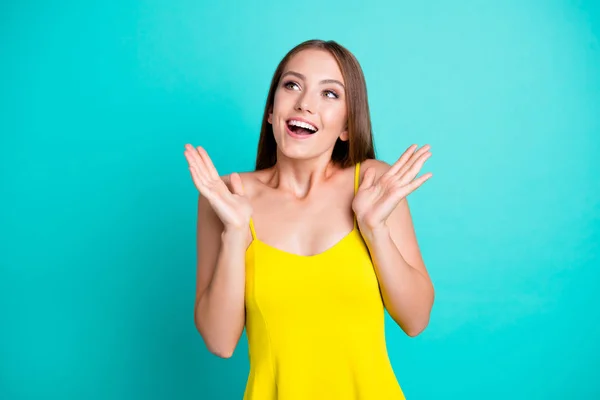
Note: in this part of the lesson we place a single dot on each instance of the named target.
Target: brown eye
(331, 94)
(290, 85)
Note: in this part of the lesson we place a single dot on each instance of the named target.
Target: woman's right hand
(232, 207)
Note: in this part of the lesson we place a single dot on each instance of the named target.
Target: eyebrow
(324, 81)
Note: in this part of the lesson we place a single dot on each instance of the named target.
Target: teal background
(98, 212)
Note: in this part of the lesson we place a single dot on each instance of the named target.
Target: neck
(301, 177)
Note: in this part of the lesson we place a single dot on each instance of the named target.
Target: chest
(303, 228)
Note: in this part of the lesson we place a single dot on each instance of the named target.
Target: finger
(402, 191)
(411, 161)
(198, 182)
(368, 179)
(236, 184)
(199, 164)
(401, 161)
(212, 171)
(411, 170)
(195, 165)
(415, 184)
(193, 157)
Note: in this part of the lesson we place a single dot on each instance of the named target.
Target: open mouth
(301, 128)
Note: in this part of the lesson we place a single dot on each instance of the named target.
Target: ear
(270, 117)
(344, 135)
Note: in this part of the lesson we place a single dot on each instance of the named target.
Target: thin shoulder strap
(356, 180)
(356, 176)
(252, 229)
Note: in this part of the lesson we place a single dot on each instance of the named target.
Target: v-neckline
(295, 255)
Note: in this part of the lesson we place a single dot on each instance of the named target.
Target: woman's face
(309, 111)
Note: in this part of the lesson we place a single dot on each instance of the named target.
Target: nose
(303, 104)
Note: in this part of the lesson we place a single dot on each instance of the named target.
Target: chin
(295, 153)
(291, 149)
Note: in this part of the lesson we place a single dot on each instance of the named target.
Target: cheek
(281, 101)
(335, 117)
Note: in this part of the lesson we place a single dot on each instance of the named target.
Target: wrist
(375, 233)
(234, 233)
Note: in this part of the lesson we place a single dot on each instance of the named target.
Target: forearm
(407, 293)
(220, 313)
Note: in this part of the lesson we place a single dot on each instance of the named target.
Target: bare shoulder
(375, 163)
(250, 180)
(380, 167)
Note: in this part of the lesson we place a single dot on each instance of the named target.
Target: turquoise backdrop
(97, 100)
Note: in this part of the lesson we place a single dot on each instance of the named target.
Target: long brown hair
(359, 145)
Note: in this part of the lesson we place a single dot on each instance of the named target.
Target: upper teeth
(303, 125)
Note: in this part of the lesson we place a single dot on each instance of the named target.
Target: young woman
(309, 249)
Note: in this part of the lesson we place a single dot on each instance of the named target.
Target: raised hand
(232, 207)
(376, 199)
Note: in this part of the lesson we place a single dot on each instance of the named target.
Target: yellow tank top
(315, 324)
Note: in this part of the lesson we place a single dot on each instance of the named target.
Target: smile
(298, 133)
(300, 129)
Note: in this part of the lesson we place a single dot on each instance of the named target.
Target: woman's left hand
(376, 198)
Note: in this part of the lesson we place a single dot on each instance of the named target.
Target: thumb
(368, 179)
(236, 184)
